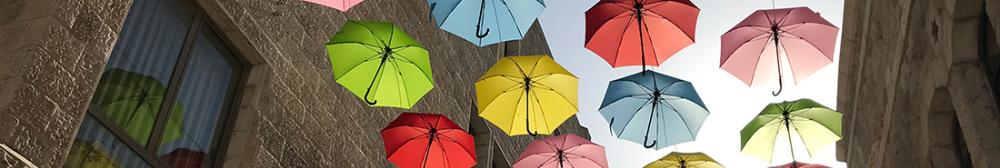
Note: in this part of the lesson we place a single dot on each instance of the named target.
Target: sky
(731, 102)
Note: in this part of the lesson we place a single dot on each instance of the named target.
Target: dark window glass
(205, 92)
(170, 82)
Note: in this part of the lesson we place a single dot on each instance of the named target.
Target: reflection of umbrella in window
(132, 101)
(86, 154)
(183, 157)
(685, 160)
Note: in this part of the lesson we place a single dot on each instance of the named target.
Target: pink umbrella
(806, 38)
(562, 151)
(341, 5)
(801, 165)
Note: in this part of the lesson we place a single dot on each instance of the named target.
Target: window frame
(223, 126)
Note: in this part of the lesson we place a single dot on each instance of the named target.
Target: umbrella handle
(646, 139)
(430, 14)
(780, 87)
(480, 34)
(369, 101)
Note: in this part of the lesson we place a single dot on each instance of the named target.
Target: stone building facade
(918, 83)
(289, 113)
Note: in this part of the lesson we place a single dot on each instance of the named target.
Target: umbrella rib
(519, 69)
(368, 46)
(400, 82)
(372, 32)
(757, 63)
(534, 66)
(450, 12)
(618, 48)
(803, 139)
(633, 117)
(541, 110)
(682, 119)
(784, 18)
(651, 44)
(511, 13)
(444, 154)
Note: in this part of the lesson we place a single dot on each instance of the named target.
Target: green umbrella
(87, 154)
(132, 101)
(380, 63)
(816, 125)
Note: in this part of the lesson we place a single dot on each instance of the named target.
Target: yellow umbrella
(533, 89)
(685, 160)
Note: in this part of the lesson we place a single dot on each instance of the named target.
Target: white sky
(732, 103)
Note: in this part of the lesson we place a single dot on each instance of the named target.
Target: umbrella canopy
(184, 158)
(417, 140)
(685, 160)
(815, 125)
(87, 154)
(801, 165)
(380, 63)
(654, 109)
(342, 5)
(562, 151)
(807, 40)
(620, 30)
(533, 89)
(485, 22)
(133, 100)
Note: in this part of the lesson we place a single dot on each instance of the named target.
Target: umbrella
(801, 165)
(342, 5)
(534, 89)
(562, 151)
(815, 125)
(485, 22)
(685, 160)
(806, 38)
(380, 63)
(133, 100)
(428, 140)
(640, 32)
(655, 109)
(183, 157)
(86, 154)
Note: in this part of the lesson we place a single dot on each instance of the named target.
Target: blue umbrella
(485, 22)
(654, 109)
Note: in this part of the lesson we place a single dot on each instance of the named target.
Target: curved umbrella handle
(479, 33)
(369, 101)
(646, 139)
(780, 87)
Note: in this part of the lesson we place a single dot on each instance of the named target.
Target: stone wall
(912, 86)
(291, 112)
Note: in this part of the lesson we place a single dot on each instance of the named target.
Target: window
(165, 96)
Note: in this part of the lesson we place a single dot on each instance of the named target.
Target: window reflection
(96, 147)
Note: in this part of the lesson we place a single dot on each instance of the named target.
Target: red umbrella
(562, 151)
(183, 157)
(806, 38)
(615, 27)
(801, 165)
(428, 140)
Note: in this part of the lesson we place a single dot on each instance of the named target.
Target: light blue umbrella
(485, 22)
(653, 109)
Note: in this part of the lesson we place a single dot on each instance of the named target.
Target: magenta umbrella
(568, 150)
(806, 38)
(342, 5)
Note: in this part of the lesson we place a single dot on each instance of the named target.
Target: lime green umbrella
(87, 154)
(133, 100)
(816, 126)
(380, 63)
